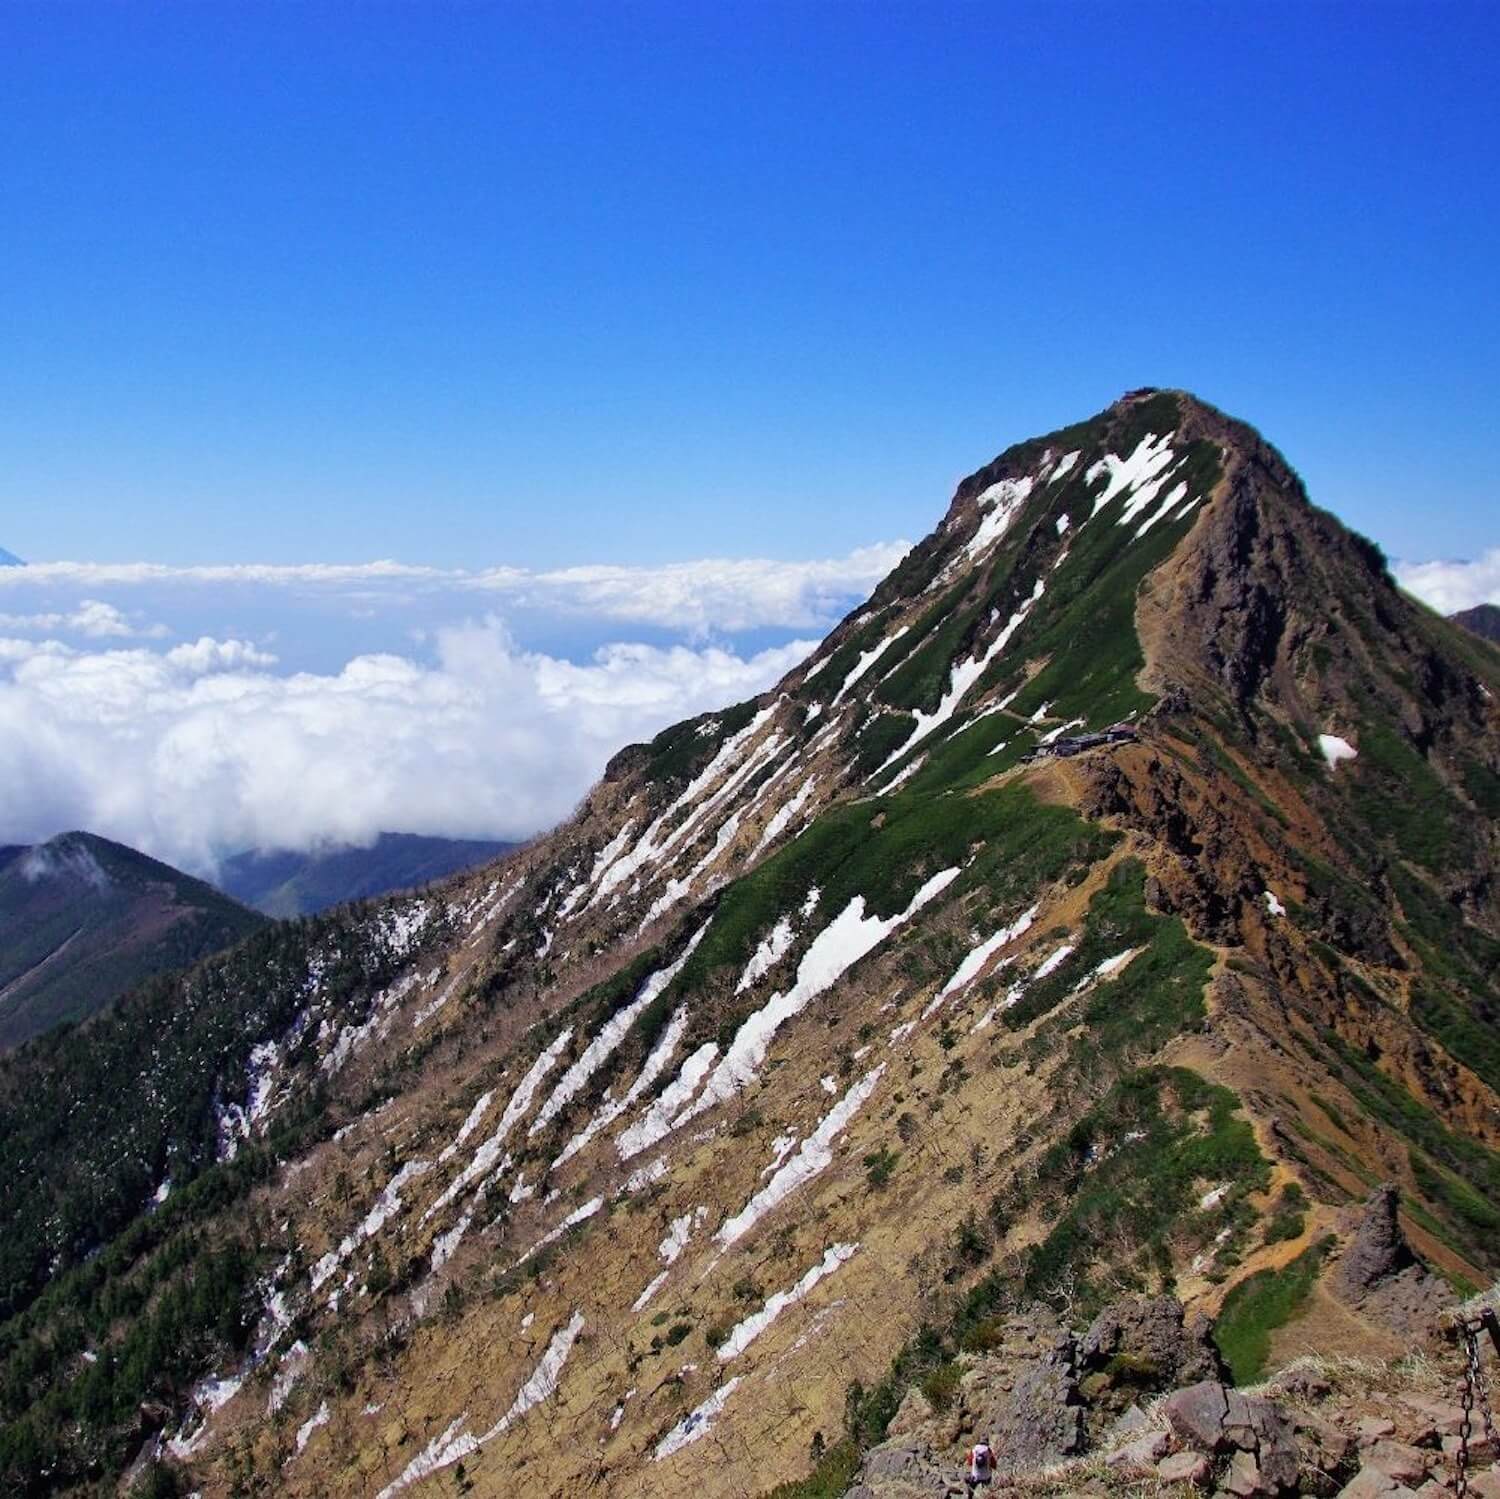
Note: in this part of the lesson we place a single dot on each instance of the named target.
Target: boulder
(1140, 1454)
(1371, 1483)
(1145, 1341)
(1244, 1477)
(1379, 1249)
(1380, 1274)
(1040, 1420)
(914, 1411)
(1405, 1464)
(1185, 1467)
(1370, 1429)
(1213, 1419)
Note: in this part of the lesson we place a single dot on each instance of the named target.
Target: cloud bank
(1451, 586)
(202, 749)
(694, 598)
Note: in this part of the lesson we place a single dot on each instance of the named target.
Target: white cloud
(93, 619)
(203, 748)
(1451, 586)
(694, 597)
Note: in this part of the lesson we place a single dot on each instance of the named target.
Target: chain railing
(1475, 1392)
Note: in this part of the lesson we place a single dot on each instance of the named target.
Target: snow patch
(842, 943)
(814, 1156)
(697, 1423)
(746, 1332)
(1336, 749)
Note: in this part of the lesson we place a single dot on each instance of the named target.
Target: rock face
(1147, 1342)
(1380, 1274)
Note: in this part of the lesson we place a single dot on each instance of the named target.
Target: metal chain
(1466, 1401)
(1474, 1391)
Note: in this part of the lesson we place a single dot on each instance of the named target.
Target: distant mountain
(1483, 620)
(83, 919)
(284, 883)
(9, 559)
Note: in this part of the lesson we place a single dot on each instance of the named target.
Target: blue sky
(639, 337)
(551, 284)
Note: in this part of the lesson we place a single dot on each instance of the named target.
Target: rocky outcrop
(1380, 1274)
(1148, 1343)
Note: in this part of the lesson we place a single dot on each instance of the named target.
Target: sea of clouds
(193, 748)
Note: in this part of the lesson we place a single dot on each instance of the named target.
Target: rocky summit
(1063, 1004)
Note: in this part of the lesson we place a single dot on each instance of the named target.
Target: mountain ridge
(834, 1025)
(84, 919)
(283, 883)
(1482, 620)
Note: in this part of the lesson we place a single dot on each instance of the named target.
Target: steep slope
(83, 919)
(283, 882)
(1482, 620)
(1127, 862)
(9, 559)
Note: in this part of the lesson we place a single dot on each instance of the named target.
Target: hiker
(981, 1466)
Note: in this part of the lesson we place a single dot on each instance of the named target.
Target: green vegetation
(879, 1165)
(1468, 1161)
(1288, 1217)
(1156, 995)
(680, 752)
(1131, 1172)
(1008, 843)
(833, 1473)
(1261, 1303)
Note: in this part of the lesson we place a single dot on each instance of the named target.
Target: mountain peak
(1107, 903)
(9, 559)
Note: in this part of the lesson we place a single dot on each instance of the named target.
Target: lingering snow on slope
(841, 944)
(969, 969)
(1006, 498)
(1065, 465)
(867, 659)
(773, 948)
(387, 1205)
(655, 1284)
(746, 1332)
(313, 1422)
(697, 1423)
(781, 819)
(655, 1065)
(1143, 469)
(488, 1153)
(656, 1123)
(649, 852)
(611, 1034)
(962, 677)
(544, 1378)
(1109, 967)
(1175, 496)
(466, 1129)
(814, 1156)
(1336, 749)
(1049, 965)
(444, 1245)
(1053, 735)
(441, 1452)
(577, 1216)
(1273, 905)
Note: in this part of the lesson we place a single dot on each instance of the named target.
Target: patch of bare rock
(1140, 1404)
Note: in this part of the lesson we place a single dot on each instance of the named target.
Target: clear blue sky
(551, 283)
